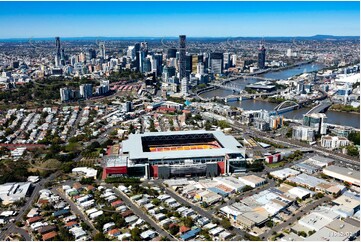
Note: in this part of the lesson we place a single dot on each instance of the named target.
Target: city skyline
(158, 19)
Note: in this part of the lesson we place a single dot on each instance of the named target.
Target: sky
(164, 19)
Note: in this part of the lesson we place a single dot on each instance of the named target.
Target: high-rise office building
(316, 121)
(262, 57)
(91, 54)
(136, 50)
(188, 65)
(195, 61)
(141, 58)
(103, 88)
(86, 90)
(234, 60)
(131, 52)
(226, 60)
(200, 68)
(182, 57)
(65, 94)
(102, 50)
(171, 53)
(58, 54)
(184, 86)
(216, 63)
(159, 58)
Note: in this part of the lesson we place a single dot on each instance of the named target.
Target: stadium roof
(135, 148)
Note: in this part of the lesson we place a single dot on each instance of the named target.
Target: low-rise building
(252, 180)
(14, 191)
(343, 174)
(284, 173)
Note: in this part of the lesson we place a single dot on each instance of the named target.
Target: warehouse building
(14, 191)
(343, 174)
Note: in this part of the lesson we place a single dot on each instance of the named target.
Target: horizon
(159, 19)
(188, 37)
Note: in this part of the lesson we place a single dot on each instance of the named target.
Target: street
(11, 227)
(141, 214)
(75, 209)
(209, 215)
(271, 183)
(308, 208)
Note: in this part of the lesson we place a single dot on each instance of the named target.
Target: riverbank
(345, 108)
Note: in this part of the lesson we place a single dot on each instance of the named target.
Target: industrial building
(168, 154)
(343, 174)
(12, 192)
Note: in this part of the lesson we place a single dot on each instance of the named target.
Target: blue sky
(195, 19)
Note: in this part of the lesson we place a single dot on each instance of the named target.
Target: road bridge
(321, 107)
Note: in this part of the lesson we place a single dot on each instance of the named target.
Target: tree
(247, 188)
(99, 237)
(319, 195)
(188, 222)
(67, 167)
(352, 150)
(174, 229)
(226, 224)
(302, 233)
(135, 234)
(85, 226)
(311, 232)
(208, 125)
(269, 223)
(156, 201)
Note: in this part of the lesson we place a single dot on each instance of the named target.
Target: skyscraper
(182, 57)
(86, 90)
(102, 49)
(184, 86)
(171, 53)
(194, 63)
(58, 54)
(226, 60)
(261, 57)
(216, 63)
(159, 58)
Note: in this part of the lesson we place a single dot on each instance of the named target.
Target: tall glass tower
(58, 54)
(182, 57)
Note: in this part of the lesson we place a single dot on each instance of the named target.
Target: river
(333, 117)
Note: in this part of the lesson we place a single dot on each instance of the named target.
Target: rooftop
(343, 171)
(134, 147)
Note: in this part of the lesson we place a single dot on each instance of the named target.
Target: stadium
(182, 153)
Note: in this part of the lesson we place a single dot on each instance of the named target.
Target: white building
(303, 133)
(12, 192)
(252, 180)
(333, 142)
(184, 86)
